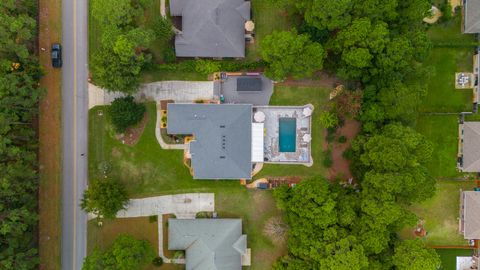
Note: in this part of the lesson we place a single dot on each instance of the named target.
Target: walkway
(179, 91)
(158, 134)
(184, 206)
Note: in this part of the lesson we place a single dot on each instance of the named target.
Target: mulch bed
(341, 166)
(132, 135)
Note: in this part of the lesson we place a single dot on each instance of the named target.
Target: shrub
(330, 135)
(328, 119)
(446, 9)
(163, 28)
(206, 66)
(169, 55)
(342, 139)
(348, 154)
(158, 261)
(327, 159)
(124, 113)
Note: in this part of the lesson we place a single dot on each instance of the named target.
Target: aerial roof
(471, 214)
(471, 147)
(208, 243)
(255, 90)
(223, 138)
(472, 16)
(249, 83)
(211, 28)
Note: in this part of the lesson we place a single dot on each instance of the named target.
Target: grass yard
(442, 95)
(268, 17)
(452, 52)
(285, 95)
(440, 214)
(449, 257)
(442, 131)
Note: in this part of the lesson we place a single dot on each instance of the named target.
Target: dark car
(56, 55)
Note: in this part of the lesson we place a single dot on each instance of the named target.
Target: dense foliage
(125, 112)
(116, 66)
(377, 46)
(19, 96)
(126, 253)
(105, 198)
(290, 54)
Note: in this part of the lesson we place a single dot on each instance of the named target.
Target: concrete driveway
(179, 91)
(184, 206)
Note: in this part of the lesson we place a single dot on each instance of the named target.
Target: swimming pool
(288, 134)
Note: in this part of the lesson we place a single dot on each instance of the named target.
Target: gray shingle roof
(249, 83)
(472, 16)
(210, 244)
(471, 214)
(471, 147)
(223, 138)
(211, 28)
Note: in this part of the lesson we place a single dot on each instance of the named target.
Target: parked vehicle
(56, 55)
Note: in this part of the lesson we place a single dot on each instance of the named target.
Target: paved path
(158, 134)
(184, 206)
(180, 91)
(74, 132)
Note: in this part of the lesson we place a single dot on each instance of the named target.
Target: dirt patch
(341, 166)
(276, 229)
(323, 80)
(49, 194)
(132, 134)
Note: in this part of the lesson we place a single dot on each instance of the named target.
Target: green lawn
(449, 257)
(440, 214)
(445, 61)
(268, 17)
(442, 131)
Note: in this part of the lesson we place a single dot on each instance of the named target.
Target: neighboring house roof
(209, 244)
(211, 28)
(223, 138)
(471, 214)
(472, 16)
(471, 147)
(256, 90)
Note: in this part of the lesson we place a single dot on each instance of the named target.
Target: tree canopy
(125, 112)
(105, 197)
(283, 51)
(413, 255)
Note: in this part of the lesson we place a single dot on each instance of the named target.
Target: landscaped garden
(440, 214)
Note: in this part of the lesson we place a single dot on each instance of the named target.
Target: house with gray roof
(209, 244)
(470, 214)
(221, 148)
(471, 16)
(211, 28)
(469, 147)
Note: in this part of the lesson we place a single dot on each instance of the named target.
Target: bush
(207, 67)
(331, 134)
(348, 154)
(169, 55)
(327, 158)
(446, 9)
(342, 139)
(158, 261)
(124, 113)
(163, 28)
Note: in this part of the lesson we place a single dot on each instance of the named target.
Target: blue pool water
(288, 134)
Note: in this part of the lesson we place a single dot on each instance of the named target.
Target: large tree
(413, 255)
(126, 253)
(105, 197)
(289, 54)
(125, 112)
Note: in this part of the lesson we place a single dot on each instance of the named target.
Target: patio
(303, 117)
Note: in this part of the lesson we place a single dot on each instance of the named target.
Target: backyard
(442, 131)
(449, 257)
(440, 214)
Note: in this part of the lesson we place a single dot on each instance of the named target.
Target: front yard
(440, 214)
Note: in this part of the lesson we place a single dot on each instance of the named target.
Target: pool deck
(302, 155)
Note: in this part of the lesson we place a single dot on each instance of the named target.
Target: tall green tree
(413, 255)
(105, 197)
(125, 112)
(283, 51)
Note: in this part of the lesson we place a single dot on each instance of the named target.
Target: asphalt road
(74, 132)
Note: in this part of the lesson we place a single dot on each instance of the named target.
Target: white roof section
(465, 263)
(471, 214)
(257, 142)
